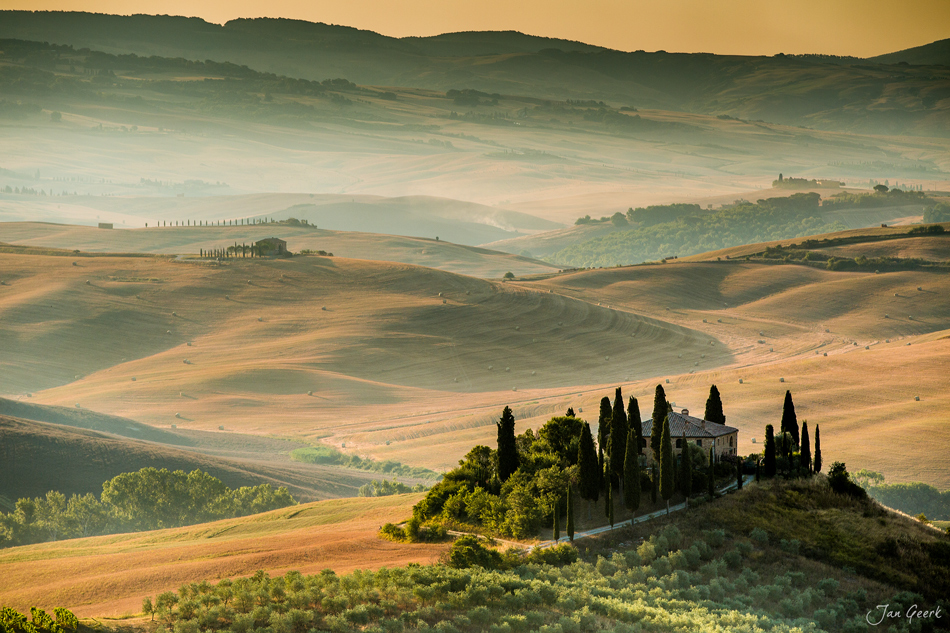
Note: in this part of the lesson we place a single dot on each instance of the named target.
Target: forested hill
(867, 95)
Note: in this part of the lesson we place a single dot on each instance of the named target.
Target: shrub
(467, 552)
(759, 535)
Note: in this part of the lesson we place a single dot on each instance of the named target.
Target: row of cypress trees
(794, 448)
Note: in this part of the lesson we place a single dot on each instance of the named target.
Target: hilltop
(784, 89)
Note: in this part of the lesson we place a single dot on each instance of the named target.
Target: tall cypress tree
(618, 436)
(817, 464)
(660, 410)
(633, 418)
(768, 465)
(805, 455)
(686, 470)
(600, 467)
(789, 419)
(507, 447)
(667, 467)
(603, 423)
(654, 478)
(557, 520)
(713, 411)
(570, 513)
(587, 465)
(631, 473)
(608, 498)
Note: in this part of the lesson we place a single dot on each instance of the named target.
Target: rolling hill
(109, 575)
(862, 95)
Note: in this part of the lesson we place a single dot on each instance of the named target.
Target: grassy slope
(443, 255)
(109, 575)
(85, 459)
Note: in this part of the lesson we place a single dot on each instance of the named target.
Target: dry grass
(109, 575)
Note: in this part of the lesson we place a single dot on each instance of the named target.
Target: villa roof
(694, 427)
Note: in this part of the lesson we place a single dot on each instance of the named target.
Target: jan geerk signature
(884, 612)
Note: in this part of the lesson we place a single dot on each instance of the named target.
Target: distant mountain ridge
(823, 92)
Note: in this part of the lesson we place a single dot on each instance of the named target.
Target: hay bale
(221, 427)
(517, 327)
(781, 380)
(174, 314)
(740, 381)
(887, 340)
(174, 426)
(704, 320)
(443, 302)
(310, 393)
(887, 316)
(88, 283)
(227, 297)
(75, 263)
(532, 372)
(168, 331)
(718, 320)
(324, 308)
(440, 294)
(188, 343)
(185, 361)
(826, 353)
(77, 406)
(260, 319)
(177, 415)
(507, 368)
(920, 288)
(248, 282)
(490, 367)
(916, 398)
(667, 381)
(827, 331)
(133, 378)
(867, 347)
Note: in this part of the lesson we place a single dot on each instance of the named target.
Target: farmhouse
(724, 440)
(271, 246)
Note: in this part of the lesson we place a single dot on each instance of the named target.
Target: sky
(861, 28)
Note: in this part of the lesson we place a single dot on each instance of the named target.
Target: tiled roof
(694, 427)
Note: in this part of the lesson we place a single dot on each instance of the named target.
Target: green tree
(631, 473)
(789, 419)
(603, 424)
(768, 465)
(618, 437)
(655, 481)
(660, 409)
(713, 411)
(557, 521)
(570, 513)
(686, 470)
(608, 496)
(667, 466)
(805, 454)
(147, 608)
(633, 418)
(51, 514)
(587, 469)
(86, 515)
(817, 463)
(508, 461)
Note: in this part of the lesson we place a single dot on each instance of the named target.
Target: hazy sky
(841, 27)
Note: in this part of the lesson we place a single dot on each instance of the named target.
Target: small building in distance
(271, 246)
(724, 440)
(105, 225)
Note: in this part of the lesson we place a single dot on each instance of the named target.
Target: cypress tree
(769, 462)
(805, 455)
(817, 465)
(659, 416)
(570, 513)
(618, 436)
(667, 467)
(587, 465)
(507, 447)
(739, 474)
(608, 499)
(570, 412)
(711, 476)
(631, 473)
(654, 478)
(600, 468)
(686, 470)
(758, 469)
(633, 418)
(557, 520)
(603, 424)
(789, 419)
(713, 411)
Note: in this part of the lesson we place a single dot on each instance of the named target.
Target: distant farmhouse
(271, 246)
(724, 440)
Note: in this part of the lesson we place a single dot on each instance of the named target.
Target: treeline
(12, 621)
(148, 499)
(691, 231)
(882, 197)
(386, 488)
(329, 456)
(940, 212)
(914, 498)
